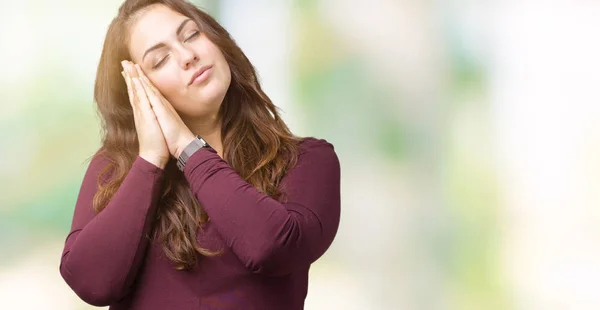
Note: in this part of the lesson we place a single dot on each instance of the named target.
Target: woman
(199, 197)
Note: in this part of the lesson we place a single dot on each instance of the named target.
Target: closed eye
(195, 34)
(160, 62)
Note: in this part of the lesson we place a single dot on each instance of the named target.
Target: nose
(187, 57)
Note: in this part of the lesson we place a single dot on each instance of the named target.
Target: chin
(213, 93)
(206, 99)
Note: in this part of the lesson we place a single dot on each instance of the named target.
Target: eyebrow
(159, 45)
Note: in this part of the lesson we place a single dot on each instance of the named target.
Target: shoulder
(99, 159)
(317, 167)
(311, 143)
(99, 165)
(315, 150)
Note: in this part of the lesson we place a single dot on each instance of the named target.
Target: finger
(151, 90)
(133, 102)
(126, 83)
(135, 69)
(155, 101)
(150, 86)
(162, 101)
(138, 70)
(130, 91)
(145, 78)
(161, 107)
(128, 68)
(142, 75)
(142, 99)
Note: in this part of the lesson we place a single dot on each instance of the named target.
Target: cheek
(224, 70)
(167, 85)
(170, 87)
(227, 73)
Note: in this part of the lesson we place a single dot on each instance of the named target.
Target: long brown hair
(257, 144)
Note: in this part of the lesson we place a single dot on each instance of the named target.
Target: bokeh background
(468, 133)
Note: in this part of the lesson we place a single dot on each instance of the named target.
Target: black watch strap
(190, 149)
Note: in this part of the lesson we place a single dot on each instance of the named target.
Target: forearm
(101, 258)
(269, 236)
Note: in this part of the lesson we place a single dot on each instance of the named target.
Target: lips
(198, 73)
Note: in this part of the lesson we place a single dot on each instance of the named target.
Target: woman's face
(171, 50)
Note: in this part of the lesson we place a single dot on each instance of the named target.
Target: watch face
(202, 142)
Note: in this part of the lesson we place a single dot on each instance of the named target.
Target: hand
(152, 145)
(175, 132)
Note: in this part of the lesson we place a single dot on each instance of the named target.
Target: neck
(209, 129)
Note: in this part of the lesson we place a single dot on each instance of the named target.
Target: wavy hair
(257, 144)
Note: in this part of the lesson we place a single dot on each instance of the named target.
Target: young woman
(200, 197)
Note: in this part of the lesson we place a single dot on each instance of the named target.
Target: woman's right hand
(152, 145)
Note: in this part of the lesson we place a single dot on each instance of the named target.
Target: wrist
(184, 142)
(158, 161)
(192, 147)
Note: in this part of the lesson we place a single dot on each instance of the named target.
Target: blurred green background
(468, 133)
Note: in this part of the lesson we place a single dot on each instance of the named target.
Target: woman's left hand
(176, 133)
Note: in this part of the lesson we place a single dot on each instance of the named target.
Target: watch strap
(189, 150)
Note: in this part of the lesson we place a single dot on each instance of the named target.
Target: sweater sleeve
(268, 236)
(104, 251)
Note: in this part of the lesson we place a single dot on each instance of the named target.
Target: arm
(268, 236)
(103, 252)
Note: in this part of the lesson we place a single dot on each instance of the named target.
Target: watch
(190, 149)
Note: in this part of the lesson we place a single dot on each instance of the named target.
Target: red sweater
(268, 245)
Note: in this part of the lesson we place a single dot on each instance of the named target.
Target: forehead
(152, 25)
